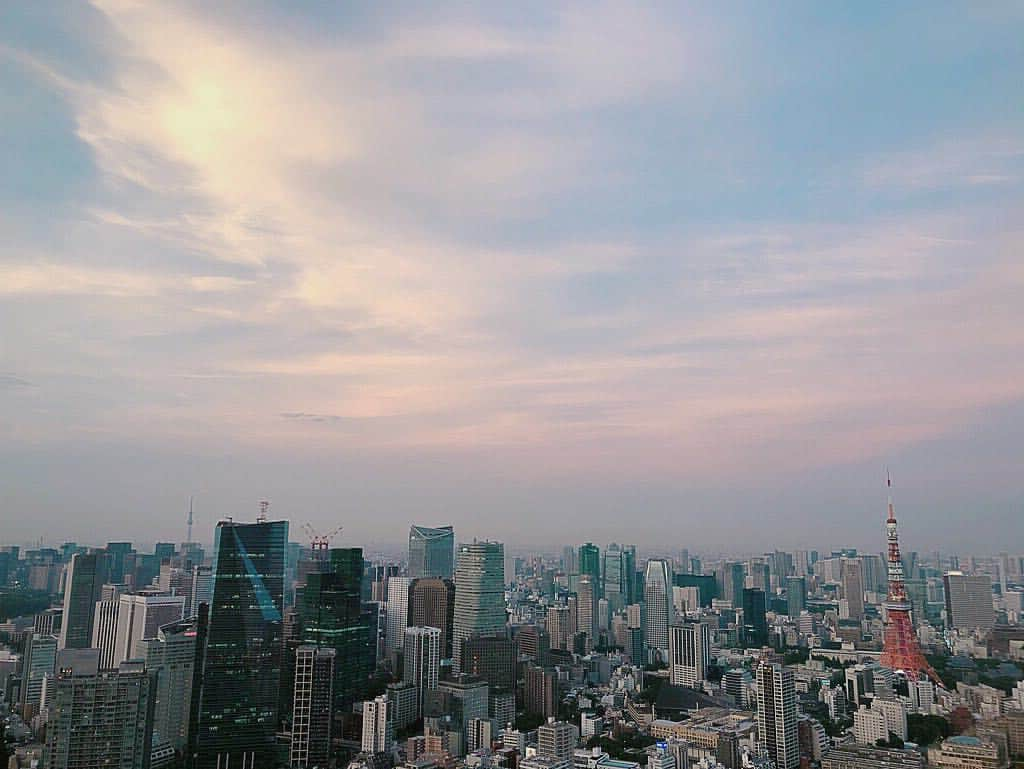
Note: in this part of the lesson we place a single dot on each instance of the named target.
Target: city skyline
(689, 275)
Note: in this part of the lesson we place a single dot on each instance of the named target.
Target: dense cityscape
(264, 652)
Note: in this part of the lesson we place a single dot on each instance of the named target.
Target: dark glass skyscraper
(117, 552)
(241, 670)
(84, 587)
(590, 561)
(431, 552)
(331, 614)
(755, 623)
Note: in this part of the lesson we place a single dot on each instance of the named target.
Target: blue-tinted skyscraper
(431, 552)
(755, 623)
(241, 661)
(331, 615)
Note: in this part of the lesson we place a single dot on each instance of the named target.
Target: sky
(685, 275)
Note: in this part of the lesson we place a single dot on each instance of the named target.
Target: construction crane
(319, 543)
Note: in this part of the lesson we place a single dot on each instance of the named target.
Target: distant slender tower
(901, 650)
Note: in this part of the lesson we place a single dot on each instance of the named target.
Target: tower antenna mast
(188, 537)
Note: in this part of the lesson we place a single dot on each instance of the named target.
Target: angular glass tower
(431, 552)
(241, 671)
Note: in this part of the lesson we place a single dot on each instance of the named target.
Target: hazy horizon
(591, 271)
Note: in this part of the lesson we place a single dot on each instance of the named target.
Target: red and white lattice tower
(901, 650)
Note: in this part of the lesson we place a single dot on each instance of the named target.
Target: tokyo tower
(901, 650)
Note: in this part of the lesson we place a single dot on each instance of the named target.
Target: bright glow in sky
(546, 272)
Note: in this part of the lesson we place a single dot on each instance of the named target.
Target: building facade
(479, 594)
(98, 717)
(431, 552)
(237, 712)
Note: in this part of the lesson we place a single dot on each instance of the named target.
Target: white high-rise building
(689, 653)
(377, 729)
(658, 603)
(397, 611)
(104, 632)
(869, 725)
(142, 616)
(922, 695)
(557, 739)
(202, 588)
(422, 660)
(172, 656)
(312, 707)
(895, 714)
(969, 601)
(777, 714)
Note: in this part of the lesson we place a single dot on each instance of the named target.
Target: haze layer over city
(695, 273)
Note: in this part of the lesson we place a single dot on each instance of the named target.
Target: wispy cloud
(534, 240)
(950, 163)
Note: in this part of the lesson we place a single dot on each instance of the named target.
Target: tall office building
(618, 576)
(777, 715)
(689, 653)
(432, 604)
(479, 594)
(733, 580)
(541, 691)
(796, 596)
(431, 552)
(560, 628)
(852, 573)
(658, 604)
(422, 662)
(491, 657)
(755, 623)
(83, 588)
(202, 588)
(140, 617)
(377, 727)
(557, 740)
(590, 561)
(118, 554)
(104, 632)
(467, 698)
(37, 665)
(969, 601)
(171, 656)
(397, 611)
(586, 610)
(98, 718)
(241, 672)
(331, 614)
(313, 707)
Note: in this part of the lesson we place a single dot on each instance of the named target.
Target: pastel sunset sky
(673, 274)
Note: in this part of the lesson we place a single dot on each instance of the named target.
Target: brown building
(1012, 725)
(432, 604)
(491, 658)
(540, 692)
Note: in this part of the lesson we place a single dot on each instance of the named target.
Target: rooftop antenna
(188, 538)
(264, 506)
